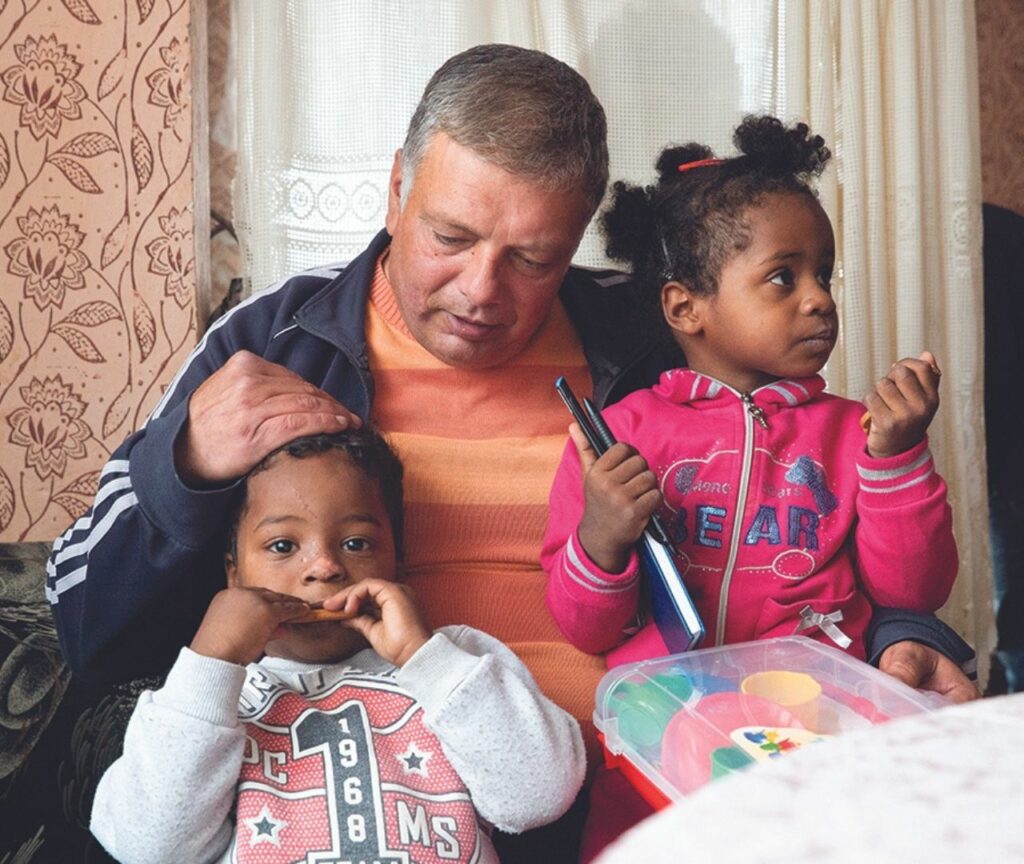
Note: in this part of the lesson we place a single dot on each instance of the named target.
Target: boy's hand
(240, 621)
(386, 614)
(902, 405)
(621, 494)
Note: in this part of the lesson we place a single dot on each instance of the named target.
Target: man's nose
(481, 283)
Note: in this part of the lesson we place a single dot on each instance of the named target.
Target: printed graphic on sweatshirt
(348, 775)
(780, 522)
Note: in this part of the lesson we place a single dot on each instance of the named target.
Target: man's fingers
(949, 679)
(906, 663)
(267, 397)
(926, 668)
(283, 405)
(278, 431)
(962, 691)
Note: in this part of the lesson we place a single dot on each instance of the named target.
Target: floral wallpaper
(97, 260)
(225, 254)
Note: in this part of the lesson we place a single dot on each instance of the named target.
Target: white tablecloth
(936, 787)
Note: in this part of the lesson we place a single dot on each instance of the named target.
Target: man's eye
(447, 240)
(282, 547)
(782, 277)
(531, 264)
(356, 544)
(825, 280)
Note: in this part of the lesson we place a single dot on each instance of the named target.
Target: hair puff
(777, 150)
(672, 157)
(629, 224)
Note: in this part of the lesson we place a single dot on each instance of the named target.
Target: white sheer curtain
(326, 87)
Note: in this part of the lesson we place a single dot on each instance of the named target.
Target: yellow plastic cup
(798, 692)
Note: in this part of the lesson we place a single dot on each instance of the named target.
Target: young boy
(362, 738)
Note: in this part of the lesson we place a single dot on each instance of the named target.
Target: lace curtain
(326, 87)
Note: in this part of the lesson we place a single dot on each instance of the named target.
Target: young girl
(784, 515)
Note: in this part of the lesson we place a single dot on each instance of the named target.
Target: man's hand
(926, 668)
(902, 405)
(246, 409)
(240, 621)
(386, 614)
(621, 494)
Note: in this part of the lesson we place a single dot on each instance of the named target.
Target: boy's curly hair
(369, 452)
(687, 226)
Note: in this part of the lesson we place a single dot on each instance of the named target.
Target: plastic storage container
(673, 723)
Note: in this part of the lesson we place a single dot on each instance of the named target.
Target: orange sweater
(480, 449)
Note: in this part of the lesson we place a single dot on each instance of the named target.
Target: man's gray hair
(522, 110)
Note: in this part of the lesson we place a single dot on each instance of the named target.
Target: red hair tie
(700, 163)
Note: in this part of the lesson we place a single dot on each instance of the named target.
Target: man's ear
(394, 194)
(230, 569)
(683, 310)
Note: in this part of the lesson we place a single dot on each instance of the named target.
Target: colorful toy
(644, 708)
(796, 691)
(692, 736)
(672, 724)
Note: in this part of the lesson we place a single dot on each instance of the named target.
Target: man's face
(477, 254)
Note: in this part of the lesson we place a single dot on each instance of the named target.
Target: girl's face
(773, 315)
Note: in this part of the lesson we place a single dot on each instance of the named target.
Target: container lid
(685, 719)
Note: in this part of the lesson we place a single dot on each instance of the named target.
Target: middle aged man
(447, 333)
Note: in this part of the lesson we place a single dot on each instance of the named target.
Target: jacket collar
(684, 386)
(601, 304)
(337, 311)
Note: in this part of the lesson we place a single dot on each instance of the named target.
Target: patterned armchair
(56, 735)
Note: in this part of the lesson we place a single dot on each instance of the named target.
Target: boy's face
(311, 526)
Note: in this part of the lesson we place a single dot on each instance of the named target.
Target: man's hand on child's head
(240, 621)
(902, 405)
(386, 614)
(246, 409)
(621, 494)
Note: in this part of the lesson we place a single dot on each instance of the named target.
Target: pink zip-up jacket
(773, 504)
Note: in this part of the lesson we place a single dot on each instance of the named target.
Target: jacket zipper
(753, 412)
